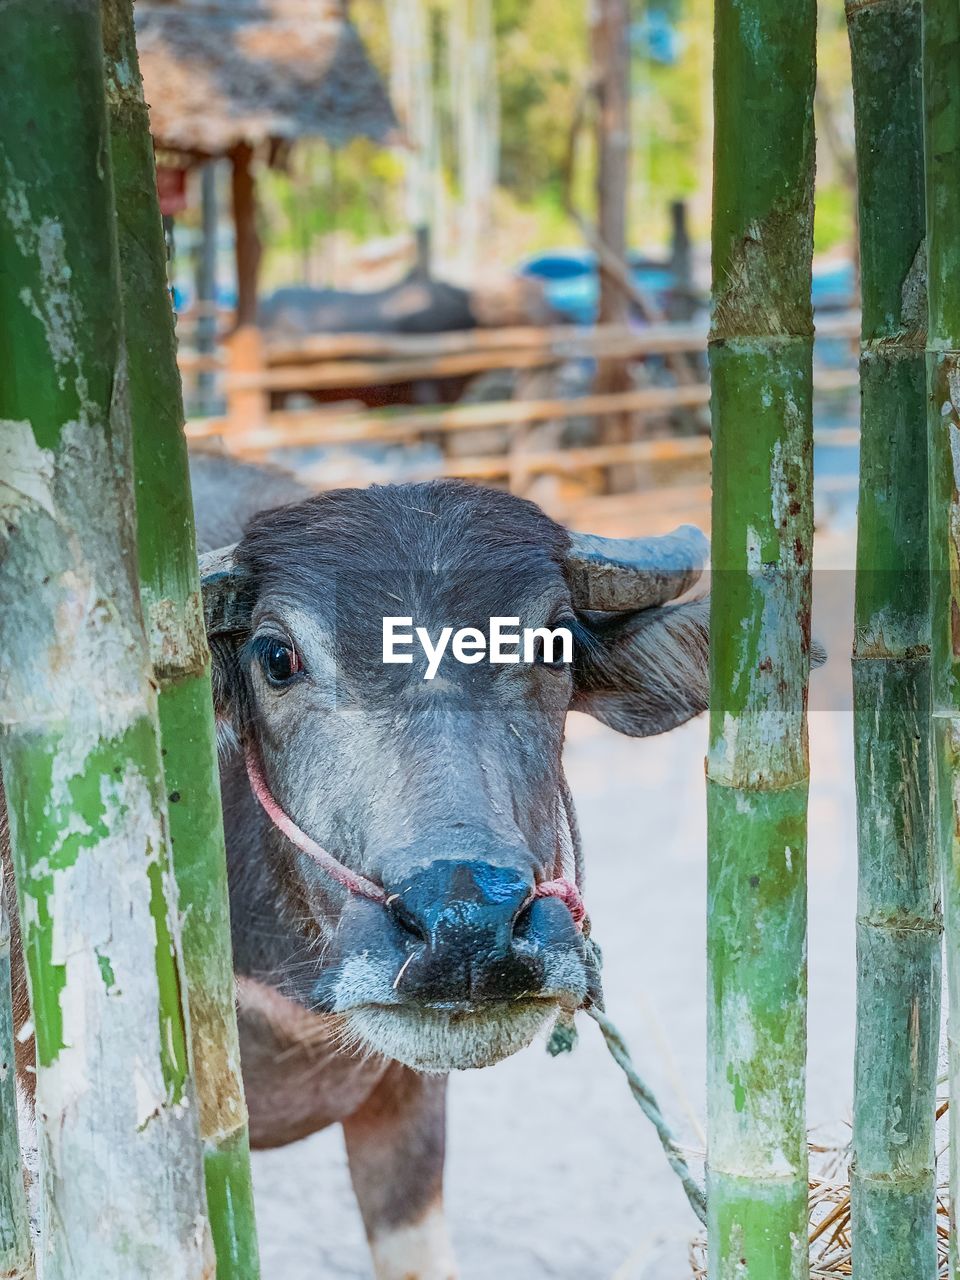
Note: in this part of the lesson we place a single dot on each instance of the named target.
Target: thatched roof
(216, 74)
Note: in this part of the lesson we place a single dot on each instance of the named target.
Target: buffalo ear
(643, 673)
(227, 604)
(227, 595)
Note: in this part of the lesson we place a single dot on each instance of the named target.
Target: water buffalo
(416, 305)
(402, 852)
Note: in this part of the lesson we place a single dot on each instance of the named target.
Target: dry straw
(830, 1244)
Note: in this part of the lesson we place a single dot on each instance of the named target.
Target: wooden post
(612, 77)
(527, 438)
(611, 62)
(247, 407)
(248, 247)
(682, 303)
(207, 285)
(422, 253)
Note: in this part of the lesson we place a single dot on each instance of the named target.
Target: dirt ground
(552, 1170)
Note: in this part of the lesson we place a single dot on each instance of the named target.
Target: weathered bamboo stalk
(170, 596)
(16, 1249)
(761, 350)
(941, 91)
(898, 913)
(121, 1175)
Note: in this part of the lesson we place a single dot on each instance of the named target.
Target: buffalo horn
(621, 574)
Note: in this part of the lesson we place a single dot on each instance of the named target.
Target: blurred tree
(609, 34)
(412, 91)
(836, 216)
(543, 67)
(475, 113)
(543, 53)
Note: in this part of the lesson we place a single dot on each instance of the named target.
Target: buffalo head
(446, 795)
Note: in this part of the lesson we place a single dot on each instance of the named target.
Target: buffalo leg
(395, 1145)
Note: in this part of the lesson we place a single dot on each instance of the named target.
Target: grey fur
(400, 779)
(450, 795)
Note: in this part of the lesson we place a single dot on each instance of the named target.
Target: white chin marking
(440, 1040)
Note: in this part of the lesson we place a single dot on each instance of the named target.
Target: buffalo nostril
(466, 931)
(522, 915)
(405, 918)
(522, 920)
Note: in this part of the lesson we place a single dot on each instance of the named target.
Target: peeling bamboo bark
(16, 1250)
(757, 768)
(121, 1174)
(170, 596)
(898, 913)
(941, 88)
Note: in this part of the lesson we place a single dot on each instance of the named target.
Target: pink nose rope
(567, 892)
(352, 881)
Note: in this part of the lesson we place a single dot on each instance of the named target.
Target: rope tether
(564, 1035)
(648, 1104)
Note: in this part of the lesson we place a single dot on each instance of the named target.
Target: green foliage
(543, 59)
(543, 54)
(834, 217)
(671, 106)
(354, 189)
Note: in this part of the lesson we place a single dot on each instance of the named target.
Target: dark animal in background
(418, 305)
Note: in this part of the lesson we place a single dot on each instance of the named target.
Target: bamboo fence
(170, 596)
(761, 355)
(941, 76)
(121, 1175)
(898, 912)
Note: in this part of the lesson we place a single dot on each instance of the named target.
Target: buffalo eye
(540, 656)
(280, 661)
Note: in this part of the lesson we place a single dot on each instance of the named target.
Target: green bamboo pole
(941, 89)
(898, 913)
(121, 1174)
(16, 1249)
(170, 594)
(757, 766)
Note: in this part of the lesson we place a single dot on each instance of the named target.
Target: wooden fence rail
(292, 428)
(563, 342)
(323, 362)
